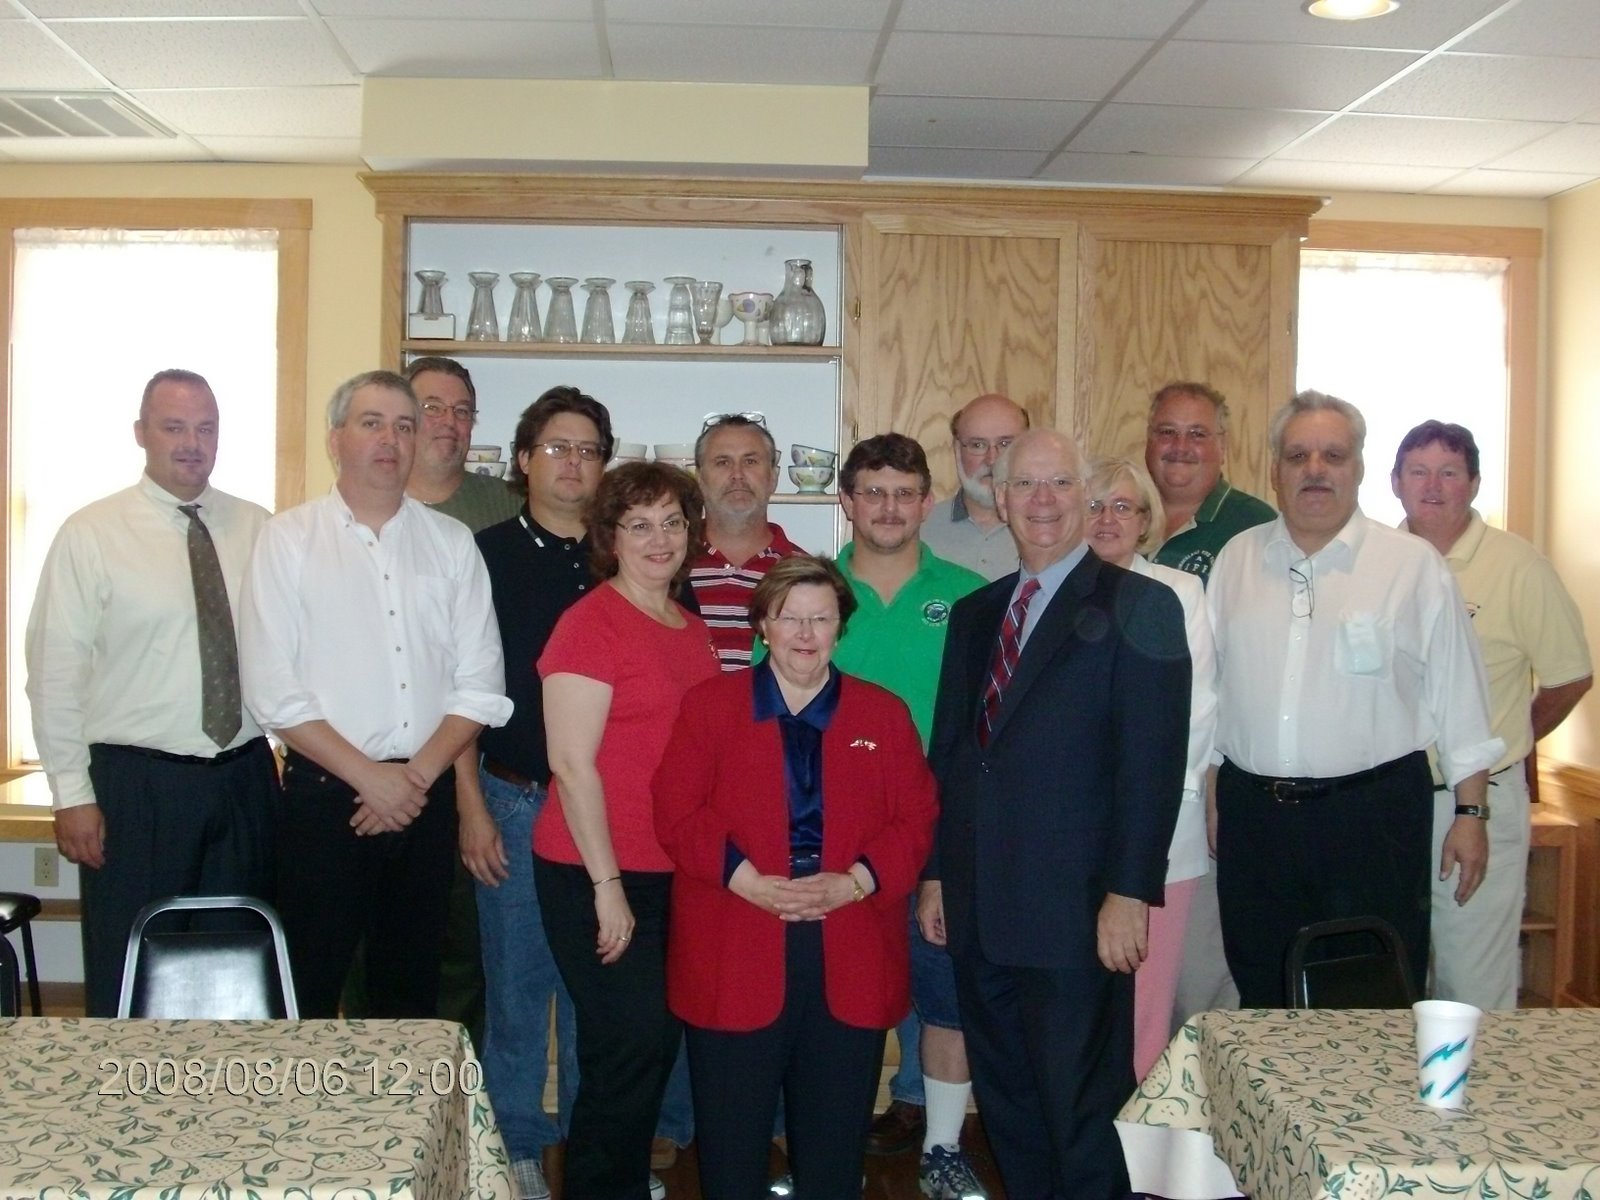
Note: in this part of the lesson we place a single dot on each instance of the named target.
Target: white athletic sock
(947, 1109)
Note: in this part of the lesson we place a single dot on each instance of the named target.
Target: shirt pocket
(1364, 645)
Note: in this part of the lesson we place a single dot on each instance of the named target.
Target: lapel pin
(864, 742)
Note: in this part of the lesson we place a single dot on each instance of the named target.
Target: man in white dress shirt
(162, 785)
(1344, 651)
(369, 647)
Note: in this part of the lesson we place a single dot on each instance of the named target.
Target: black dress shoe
(899, 1129)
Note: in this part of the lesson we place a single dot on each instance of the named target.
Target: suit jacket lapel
(1053, 630)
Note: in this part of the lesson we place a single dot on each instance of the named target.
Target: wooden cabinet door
(953, 307)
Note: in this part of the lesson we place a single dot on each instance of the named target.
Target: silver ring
(622, 937)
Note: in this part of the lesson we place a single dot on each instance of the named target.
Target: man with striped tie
(1059, 740)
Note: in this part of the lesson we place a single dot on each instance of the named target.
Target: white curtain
(96, 312)
(1406, 337)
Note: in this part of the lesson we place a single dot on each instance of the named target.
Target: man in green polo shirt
(896, 639)
(1185, 444)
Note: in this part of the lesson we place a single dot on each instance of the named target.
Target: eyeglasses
(1120, 509)
(1023, 488)
(1173, 433)
(1303, 597)
(983, 445)
(900, 495)
(640, 530)
(588, 451)
(744, 418)
(461, 412)
(796, 624)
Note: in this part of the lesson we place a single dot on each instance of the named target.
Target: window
(97, 308)
(1413, 322)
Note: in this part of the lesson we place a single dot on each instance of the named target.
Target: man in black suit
(1059, 741)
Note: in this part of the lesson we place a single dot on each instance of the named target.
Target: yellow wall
(345, 248)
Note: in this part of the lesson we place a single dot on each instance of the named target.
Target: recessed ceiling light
(1351, 10)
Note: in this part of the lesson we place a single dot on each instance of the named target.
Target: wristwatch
(1481, 811)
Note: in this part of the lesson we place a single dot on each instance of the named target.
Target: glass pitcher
(797, 316)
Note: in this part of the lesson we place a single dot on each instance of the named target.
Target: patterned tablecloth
(1321, 1103)
(179, 1110)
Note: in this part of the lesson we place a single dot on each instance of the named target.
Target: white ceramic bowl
(675, 452)
(496, 469)
(483, 454)
(810, 456)
(811, 479)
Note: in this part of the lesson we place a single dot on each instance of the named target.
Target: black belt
(802, 865)
(1294, 790)
(507, 774)
(194, 760)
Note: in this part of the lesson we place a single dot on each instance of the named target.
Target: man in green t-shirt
(439, 476)
(896, 639)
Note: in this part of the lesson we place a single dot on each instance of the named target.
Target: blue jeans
(521, 980)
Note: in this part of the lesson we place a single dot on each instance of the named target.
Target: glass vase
(707, 293)
(560, 321)
(680, 311)
(638, 328)
(431, 303)
(598, 327)
(482, 323)
(797, 316)
(524, 323)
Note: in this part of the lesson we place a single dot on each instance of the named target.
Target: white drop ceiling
(1460, 97)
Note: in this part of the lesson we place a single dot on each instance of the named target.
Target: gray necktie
(219, 652)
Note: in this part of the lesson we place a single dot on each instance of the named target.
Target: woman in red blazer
(798, 809)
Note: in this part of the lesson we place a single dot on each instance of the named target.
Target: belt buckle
(1282, 791)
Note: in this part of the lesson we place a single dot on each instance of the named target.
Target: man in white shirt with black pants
(1343, 652)
(369, 646)
(162, 784)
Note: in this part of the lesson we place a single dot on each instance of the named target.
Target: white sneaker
(658, 1190)
(529, 1176)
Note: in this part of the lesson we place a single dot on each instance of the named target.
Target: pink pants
(1156, 982)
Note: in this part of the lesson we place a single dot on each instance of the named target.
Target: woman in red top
(798, 808)
(615, 670)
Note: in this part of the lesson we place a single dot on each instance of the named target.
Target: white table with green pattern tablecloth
(1321, 1103)
(179, 1110)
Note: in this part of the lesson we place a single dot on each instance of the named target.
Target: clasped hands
(390, 797)
(807, 899)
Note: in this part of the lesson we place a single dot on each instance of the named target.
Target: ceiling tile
(284, 149)
(741, 54)
(990, 124)
(992, 65)
(105, 150)
(1225, 75)
(1492, 86)
(1418, 141)
(471, 49)
(1562, 28)
(311, 112)
(1535, 185)
(460, 10)
(190, 54)
(951, 163)
(1142, 170)
(29, 60)
(1342, 177)
(1158, 129)
(1416, 25)
(813, 14)
(1148, 19)
(145, 10)
(1570, 148)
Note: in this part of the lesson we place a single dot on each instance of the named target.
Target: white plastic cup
(1446, 1034)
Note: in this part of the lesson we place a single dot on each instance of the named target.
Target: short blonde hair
(1105, 473)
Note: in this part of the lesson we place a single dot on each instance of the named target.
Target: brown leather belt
(500, 771)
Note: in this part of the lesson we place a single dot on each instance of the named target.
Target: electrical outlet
(46, 867)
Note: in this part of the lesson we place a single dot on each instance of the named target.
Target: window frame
(291, 219)
(1522, 248)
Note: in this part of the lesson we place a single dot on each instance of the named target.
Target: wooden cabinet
(1550, 912)
(1078, 304)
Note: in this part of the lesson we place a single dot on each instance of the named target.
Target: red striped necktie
(1004, 662)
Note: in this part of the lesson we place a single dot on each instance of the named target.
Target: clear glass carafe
(707, 293)
(524, 323)
(560, 322)
(680, 311)
(797, 316)
(638, 327)
(598, 327)
(431, 302)
(482, 323)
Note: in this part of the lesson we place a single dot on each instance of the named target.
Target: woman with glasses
(798, 809)
(614, 672)
(1125, 523)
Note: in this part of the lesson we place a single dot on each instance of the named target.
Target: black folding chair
(1358, 962)
(10, 981)
(216, 973)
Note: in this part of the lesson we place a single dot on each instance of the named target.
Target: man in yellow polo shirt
(1538, 666)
